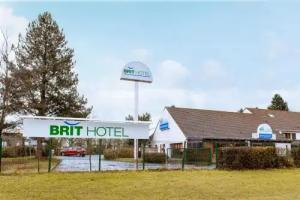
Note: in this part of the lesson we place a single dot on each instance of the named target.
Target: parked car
(73, 151)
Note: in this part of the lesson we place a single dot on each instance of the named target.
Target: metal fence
(98, 155)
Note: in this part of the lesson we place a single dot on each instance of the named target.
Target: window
(291, 136)
(176, 146)
(288, 136)
(195, 145)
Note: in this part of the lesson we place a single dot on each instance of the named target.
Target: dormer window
(271, 115)
(291, 136)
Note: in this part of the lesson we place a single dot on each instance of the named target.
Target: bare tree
(6, 66)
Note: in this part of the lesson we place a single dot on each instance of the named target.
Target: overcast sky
(202, 55)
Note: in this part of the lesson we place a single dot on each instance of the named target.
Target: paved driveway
(83, 164)
(69, 163)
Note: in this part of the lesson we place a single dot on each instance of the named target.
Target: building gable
(167, 130)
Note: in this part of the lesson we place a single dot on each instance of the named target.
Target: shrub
(17, 151)
(155, 157)
(296, 156)
(125, 153)
(251, 158)
(175, 153)
(198, 155)
(8, 152)
(111, 154)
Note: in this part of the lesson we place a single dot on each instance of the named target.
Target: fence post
(210, 157)
(90, 160)
(0, 152)
(49, 155)
(183, 158)
(38, 159)
(100, 144)
(90, 153)
(217, 153)
(166, 157)
(143, 156)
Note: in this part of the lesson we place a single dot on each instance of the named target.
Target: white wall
(283, 145)
(282, 148)
(172, 135)
(4, 144)
(297, 136)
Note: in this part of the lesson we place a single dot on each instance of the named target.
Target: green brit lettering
(78, 129)
(64, 130)
(54, 130)
(71, 130)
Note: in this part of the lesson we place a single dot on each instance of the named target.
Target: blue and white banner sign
(164, 125)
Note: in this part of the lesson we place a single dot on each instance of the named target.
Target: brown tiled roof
(278, 120)
(199, 124)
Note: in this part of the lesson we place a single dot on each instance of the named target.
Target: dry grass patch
(174, 185)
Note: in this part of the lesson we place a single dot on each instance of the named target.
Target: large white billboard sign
(60, 128)
(136, 71)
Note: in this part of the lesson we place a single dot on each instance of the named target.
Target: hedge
(296, 156)
(196, 155)
(111, 154)
(155, 157)
(251, 158)
(17, 151)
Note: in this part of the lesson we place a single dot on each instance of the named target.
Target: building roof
(201, 124)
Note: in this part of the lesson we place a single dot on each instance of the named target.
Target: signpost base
(136, 153)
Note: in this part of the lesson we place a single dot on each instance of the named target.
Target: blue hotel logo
(71, 123)
(265, 135)
(132, 72)
(164, 125)
(264, 131)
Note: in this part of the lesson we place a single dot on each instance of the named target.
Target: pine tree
(278, 103)
(129, 118)
(144, 117)
(44, 79)
(241, 110)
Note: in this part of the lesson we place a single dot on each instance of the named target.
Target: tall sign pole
(137, 72)
(136, 118)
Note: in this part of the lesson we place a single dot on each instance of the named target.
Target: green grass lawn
(214, 184)
(26, 165)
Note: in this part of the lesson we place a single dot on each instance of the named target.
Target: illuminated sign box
(265, 136)
(84, 128)
(136, 71)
